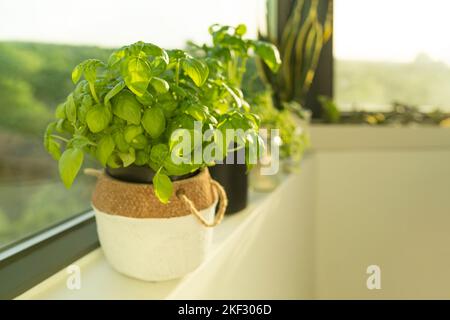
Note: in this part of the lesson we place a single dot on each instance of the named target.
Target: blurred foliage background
(374, 86)
(34, 78)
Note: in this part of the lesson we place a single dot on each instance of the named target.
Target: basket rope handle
(93, 172)
(223, 203)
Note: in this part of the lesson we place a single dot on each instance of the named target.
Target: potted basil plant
(154, 203)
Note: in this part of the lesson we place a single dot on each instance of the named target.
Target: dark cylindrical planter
(234, 179)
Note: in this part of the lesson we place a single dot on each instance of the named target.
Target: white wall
(382, 201)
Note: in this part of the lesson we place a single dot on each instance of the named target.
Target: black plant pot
(234, 179)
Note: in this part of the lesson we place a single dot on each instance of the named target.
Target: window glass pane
(388, 51)
(40, 42)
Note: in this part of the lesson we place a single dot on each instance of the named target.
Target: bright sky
(112, 23)
(395, 30)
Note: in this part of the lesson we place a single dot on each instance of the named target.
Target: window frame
(28, 262)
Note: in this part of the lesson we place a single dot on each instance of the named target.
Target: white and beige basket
(148, 240)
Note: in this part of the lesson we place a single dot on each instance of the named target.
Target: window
(392, 51)
(43, 227)
(40, 42)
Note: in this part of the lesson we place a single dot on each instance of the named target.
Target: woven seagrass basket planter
(148, 240)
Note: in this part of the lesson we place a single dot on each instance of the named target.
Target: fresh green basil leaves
(123, 112)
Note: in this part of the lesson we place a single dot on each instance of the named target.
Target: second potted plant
(233, 50)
